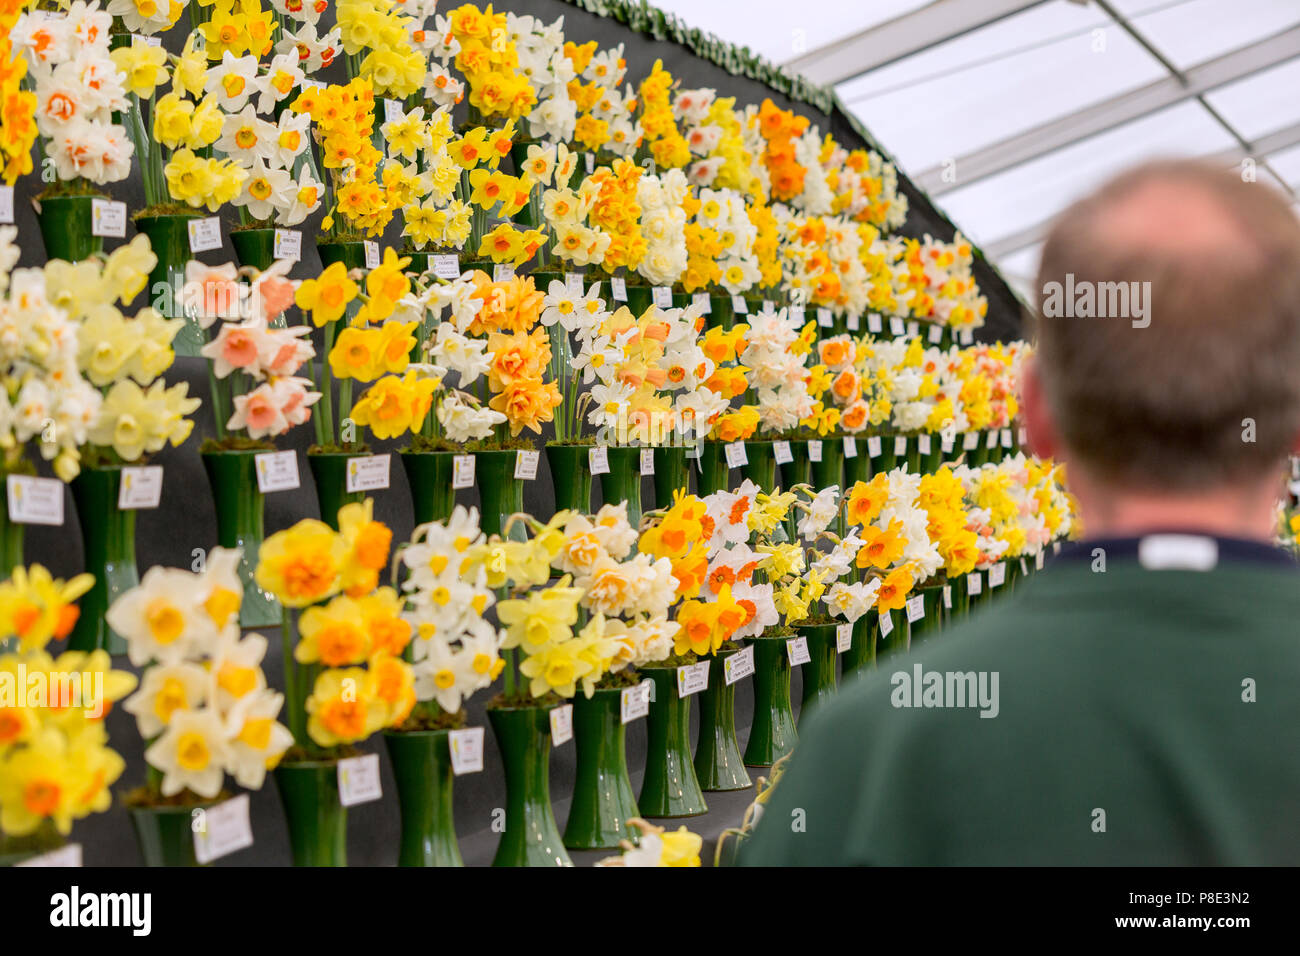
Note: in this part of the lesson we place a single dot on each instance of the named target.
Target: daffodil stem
(511, 663)
(295, 704)
(327, 381)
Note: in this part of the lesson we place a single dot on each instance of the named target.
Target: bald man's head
(1169, 328)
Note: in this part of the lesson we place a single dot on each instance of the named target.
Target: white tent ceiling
(1007, 110)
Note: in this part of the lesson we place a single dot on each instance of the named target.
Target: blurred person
(1147, 679)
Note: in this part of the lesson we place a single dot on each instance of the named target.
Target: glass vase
(772, 734)
(622, 483)
(500, 493)
(671, 474)
(65, 226)
(108, 539)
(422, 769)
(531, 836)
(318, 821)
(571, 475)
(169, 237)
(329, 470)
(670, 787)
(429, 474)
(718, 763)
(240, 508)
(603, 798)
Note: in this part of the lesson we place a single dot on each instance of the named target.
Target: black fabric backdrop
(185, 520)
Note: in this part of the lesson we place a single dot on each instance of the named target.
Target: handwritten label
(225, 829)
(1006, 438)
(692, 678)
(874, 324)
(503, 272)
(900, 445)
(663, 297)
(205, 234)
(736, 455)
(913, 328)
(462, 472)
(843, 637)
(561, 724)
(526, 464)
(855, 323)
(738, 666)
(647, 461)
(781, 452)
(824, 318)
(287, 244)
(935, 334)
(108, 218)
(886, 624)
(702, 302)
(915, 608)
(634, 702)
(393, 111)
(466, 750)
(875, 447)
(974, 583)
(923, 444)
(947, 596)
(992, 439)
(850, 447)
(140, 488)
(598, 460)
(739, 306)
(6, 204)
(446, 267)
(619, 287)
(573, 283)
(369, 473)
(997, 575)
(814, 449)
(970, 441)
(359, 780)
(896, 328)
(35, 500)
(372, 253)
(796, 649)
(277, 471)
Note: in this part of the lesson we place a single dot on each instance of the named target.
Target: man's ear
(1040, 428)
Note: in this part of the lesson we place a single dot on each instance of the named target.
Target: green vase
(240, 507)
(11, 543)
(960, 599)
(329, 470)
(670, 787)
(571, 476)
(108, 539)
(818, 674)
(254, 247)
(671, 474)
(169, 237)
(857, 468)
(721, 314)
(772, 734)
(351, 254)
(830, 470)
(714, 475)
(542, 279)
(531, 836)
(639, 299)
(896, 640)
(932, 601)
(65, 226)
(500, 494)
(603, 798)
(318, 822)
(420, 262)
(165, 835)
(622, 483)
(913, 458)
(861, 655)
(888, 459)
(761, 464)
(421, 762)
(718, 764)
(429, 474)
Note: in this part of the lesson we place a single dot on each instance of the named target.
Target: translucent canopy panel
(1020, 269)
(1262, 103)
(780, 30)
(1287, 165)
(1003, 79)
(1188, 32)
(1000, 207)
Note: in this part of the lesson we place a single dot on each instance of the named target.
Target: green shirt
(1125, 732)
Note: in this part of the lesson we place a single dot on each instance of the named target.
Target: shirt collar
(1163, 550)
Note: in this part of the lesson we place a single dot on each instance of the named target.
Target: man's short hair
(1196, 382)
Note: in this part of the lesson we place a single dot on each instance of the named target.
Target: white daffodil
(192, 753)
(257, 739)
(162, 618)
(232, 81)
(166, 689)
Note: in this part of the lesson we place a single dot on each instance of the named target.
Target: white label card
(503, 272)
(913, 328)
(372, 253)
(561, 724)
(1006, 438)
(935, 333)
(462, 472)
(915, 608)
(874, 324)
(874, 446)
(923, 444)
(814, 449)
(843, 637)
(277, 471)
(287, 245)
(35, 500)
(598, 460)
(526, 464)
(900, 445)
(393, 111)
(573, 283)
(647, 461)
(618, 286)
(1022, 436)
(590, 160)
(663, 297)
(369, 473)
(225, 828)
(896, 327)
(108, 218)
(739, 305)
(1024, 568)
(946, 442)
(446, 267)
(974, 583)
(466, 750)
(997, 575)
(692, 678)
(796, 649)
(855, 323)
(1038, 561)
(991, 438)
(205, 234)
(886, 624)
(736, 456)
(947, 596)
(359, 780)
(738, 665)
(702, 302)
(6, 204)
(824, 318)
(634, 702)
(140, 488)
(796, 314)
(970, 441)
(850, 447)
(781, 452)
(64, 856)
